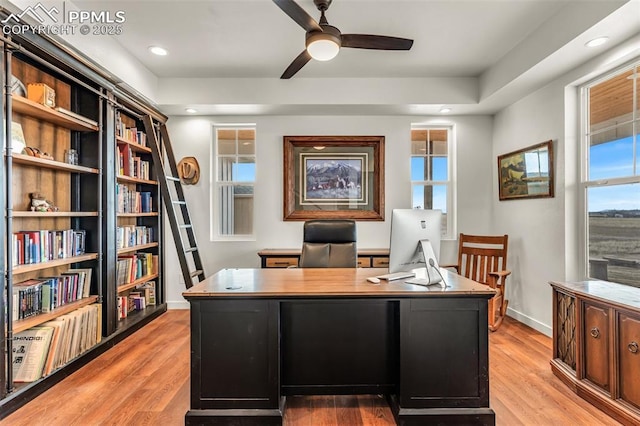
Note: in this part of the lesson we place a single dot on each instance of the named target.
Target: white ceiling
(497, 42)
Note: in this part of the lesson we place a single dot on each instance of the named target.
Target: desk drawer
(281, 262)
(380, 262)
(364, 262)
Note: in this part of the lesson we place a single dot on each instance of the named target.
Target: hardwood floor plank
(144, 380)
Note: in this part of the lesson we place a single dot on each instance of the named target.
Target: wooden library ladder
(179, 223)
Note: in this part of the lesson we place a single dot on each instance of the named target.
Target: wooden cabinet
(58, 198)
(596, 333)
(285, 258)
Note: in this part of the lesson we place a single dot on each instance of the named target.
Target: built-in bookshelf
(66, 210)
(138, 220)
(53, 227)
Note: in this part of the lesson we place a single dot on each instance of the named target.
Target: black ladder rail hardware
(164, 178)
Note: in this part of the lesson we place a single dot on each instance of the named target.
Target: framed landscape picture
(526, 173)
(334, 177)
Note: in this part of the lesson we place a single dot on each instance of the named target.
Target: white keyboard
(396, 276)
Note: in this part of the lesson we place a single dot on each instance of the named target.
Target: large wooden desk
(258, 335)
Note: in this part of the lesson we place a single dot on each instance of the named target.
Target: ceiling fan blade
(298, 14)
(367, 41)
(296, 65)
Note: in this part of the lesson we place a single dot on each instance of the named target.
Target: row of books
(40, 350)
(133, 267)
(137, 300)
(131, 201)
(44, 245)
(38, 295)
(131, 134)
(132, 235)
(132, 165)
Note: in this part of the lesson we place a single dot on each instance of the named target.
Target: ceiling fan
(323, 41)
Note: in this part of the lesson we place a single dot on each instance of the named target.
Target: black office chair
(329, 244)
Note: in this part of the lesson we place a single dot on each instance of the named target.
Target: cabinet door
(596, 346)
(629, 362)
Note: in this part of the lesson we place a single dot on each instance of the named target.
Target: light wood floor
(145, 381)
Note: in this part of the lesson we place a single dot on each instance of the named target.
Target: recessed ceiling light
(190, 110)
(445, 110)
(597, 42)
(157, 50)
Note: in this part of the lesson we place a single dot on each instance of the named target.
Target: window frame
(216, 184)
(585, 138)
(450, 183)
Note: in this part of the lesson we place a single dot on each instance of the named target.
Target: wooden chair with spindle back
(484, 259)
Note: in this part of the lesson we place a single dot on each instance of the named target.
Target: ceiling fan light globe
(323, 50)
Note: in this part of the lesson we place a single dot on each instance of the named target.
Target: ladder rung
(191, 250)
(175, 179)
(179, 202)
(185, 226)
(196, 272)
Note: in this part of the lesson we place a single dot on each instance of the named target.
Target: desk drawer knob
(595, 333)
(633, 347)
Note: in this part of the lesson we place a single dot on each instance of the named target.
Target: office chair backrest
(329, 244)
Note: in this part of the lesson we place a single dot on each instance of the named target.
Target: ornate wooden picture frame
(526, 173)
(333, 177)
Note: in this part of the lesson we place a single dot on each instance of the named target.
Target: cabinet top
(624, 296)
(326, 282)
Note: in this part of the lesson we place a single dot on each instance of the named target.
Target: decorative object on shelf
(334, 177)
(526, 173)
(40, 204)
(71, 156)
(17, 87)
(189, 170)
(17, 138)
(42, 94)
(35, 152)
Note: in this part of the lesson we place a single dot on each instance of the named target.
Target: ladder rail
(169, 203)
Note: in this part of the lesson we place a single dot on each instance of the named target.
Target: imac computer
(415, 244)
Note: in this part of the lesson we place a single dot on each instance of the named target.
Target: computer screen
(408, 228)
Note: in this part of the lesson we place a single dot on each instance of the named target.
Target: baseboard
(531, 322)
(178, 304)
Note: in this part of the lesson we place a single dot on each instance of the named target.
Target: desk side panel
(235, 354)
(444, 353)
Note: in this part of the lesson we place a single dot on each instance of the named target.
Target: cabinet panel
(596, 344)
(629, 361)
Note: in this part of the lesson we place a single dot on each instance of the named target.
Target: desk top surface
(326, 282)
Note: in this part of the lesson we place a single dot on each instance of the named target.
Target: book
(30, 350)
(17, 138)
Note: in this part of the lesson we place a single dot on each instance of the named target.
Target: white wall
(193, 135)
(544, 234)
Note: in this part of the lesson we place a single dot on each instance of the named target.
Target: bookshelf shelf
(134, 146)
(53, 214)
(128, 286)
(51, 164)
(129, 179)
(136, 248)
(33, 109)
(27, 323)
(148, 214)
(23, 269)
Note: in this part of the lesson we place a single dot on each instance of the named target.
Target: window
(611, 176)
(235, 175)
(431, 180)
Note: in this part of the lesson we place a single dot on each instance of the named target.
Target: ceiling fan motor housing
(328, 32)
